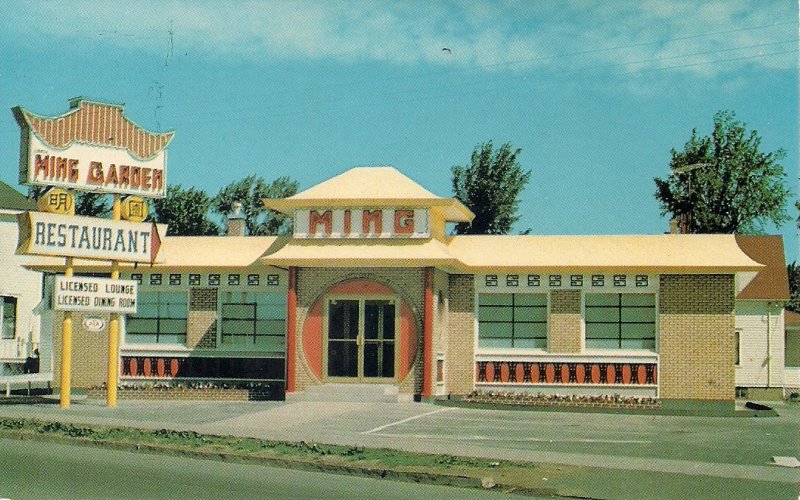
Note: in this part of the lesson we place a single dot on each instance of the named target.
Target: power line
(450, 72)
(491, 84)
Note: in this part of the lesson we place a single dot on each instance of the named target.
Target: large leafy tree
(490, 186)
(250, 192)
(794, 287)
(185, 211)
(724, 183)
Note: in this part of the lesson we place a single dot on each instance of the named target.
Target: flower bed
(567, 400)
(197, 391)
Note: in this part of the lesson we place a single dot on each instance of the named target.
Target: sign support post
(66, 340)
(113, 329)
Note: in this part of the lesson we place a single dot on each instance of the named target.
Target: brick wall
(696, 337)
(460, 361)
(89, 351)
(201, 322)
(441, 284)
(564, 323)
(312, 283)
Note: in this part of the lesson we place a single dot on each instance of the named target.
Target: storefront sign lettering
(93, 168)
(87, 237)
(79, 293)
(362, 223)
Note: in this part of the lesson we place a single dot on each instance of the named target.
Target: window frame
(620, 308)
(515, 323)
(248, 298)
(130, 338)
(3, 327)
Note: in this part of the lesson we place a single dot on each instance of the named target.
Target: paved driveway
(725, 447)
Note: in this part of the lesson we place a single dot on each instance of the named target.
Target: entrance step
(356, 393)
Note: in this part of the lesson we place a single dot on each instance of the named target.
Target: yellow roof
(188, 251)
(362, 253)
(371, 186)
(656, 253)
(662, 253)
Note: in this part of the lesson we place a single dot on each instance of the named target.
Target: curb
(285, 463)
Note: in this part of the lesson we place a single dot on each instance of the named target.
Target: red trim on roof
(84, 124)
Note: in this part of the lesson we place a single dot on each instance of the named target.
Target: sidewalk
(698, 446)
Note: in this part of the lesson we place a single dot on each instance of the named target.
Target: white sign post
(85, 294)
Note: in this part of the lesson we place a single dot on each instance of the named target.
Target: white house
(760, 328)
(791, 358)
(20, 294)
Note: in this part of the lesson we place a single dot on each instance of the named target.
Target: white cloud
(674, 36)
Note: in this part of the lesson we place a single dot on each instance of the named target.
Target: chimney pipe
(236, 225)
(673, 226)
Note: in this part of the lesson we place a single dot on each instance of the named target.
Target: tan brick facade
(201, 322)
(89, 352)
(312, 283)
(564, 335)
(696, 337)
(460, 361)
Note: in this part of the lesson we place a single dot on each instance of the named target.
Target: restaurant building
(371, 289)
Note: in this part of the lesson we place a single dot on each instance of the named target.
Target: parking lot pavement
(728, 447)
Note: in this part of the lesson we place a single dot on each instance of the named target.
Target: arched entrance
(360, 331)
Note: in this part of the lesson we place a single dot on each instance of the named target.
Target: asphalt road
(39, 470)
(676, 452)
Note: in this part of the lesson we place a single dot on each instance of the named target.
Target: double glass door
(361, 338)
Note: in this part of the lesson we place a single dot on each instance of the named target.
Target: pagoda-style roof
(84, 122)
(371, 187)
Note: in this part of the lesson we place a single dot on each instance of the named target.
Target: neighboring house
(760, 321)
(20, 291)
(791, 357)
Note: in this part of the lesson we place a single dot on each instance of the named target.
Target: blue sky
(595, 93)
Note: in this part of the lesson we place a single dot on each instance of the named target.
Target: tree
(794, 287)
(250, 192)
(92, 204)
(185, 211)
(490, 186)
(724, 183)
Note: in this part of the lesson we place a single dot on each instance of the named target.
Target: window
(512, 320)
(791, 348)
(161, 319)
(620, 321)
(253, 320)
(8, 317)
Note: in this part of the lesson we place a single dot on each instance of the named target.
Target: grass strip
(354, 460)
(525, 478)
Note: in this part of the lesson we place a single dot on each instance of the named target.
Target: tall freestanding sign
(92, 147)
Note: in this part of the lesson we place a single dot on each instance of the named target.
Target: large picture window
(8, 317)
(160, 319)
(254, 320)
(512, 320)
(620, 321)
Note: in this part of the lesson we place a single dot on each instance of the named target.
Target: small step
(357, 393)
